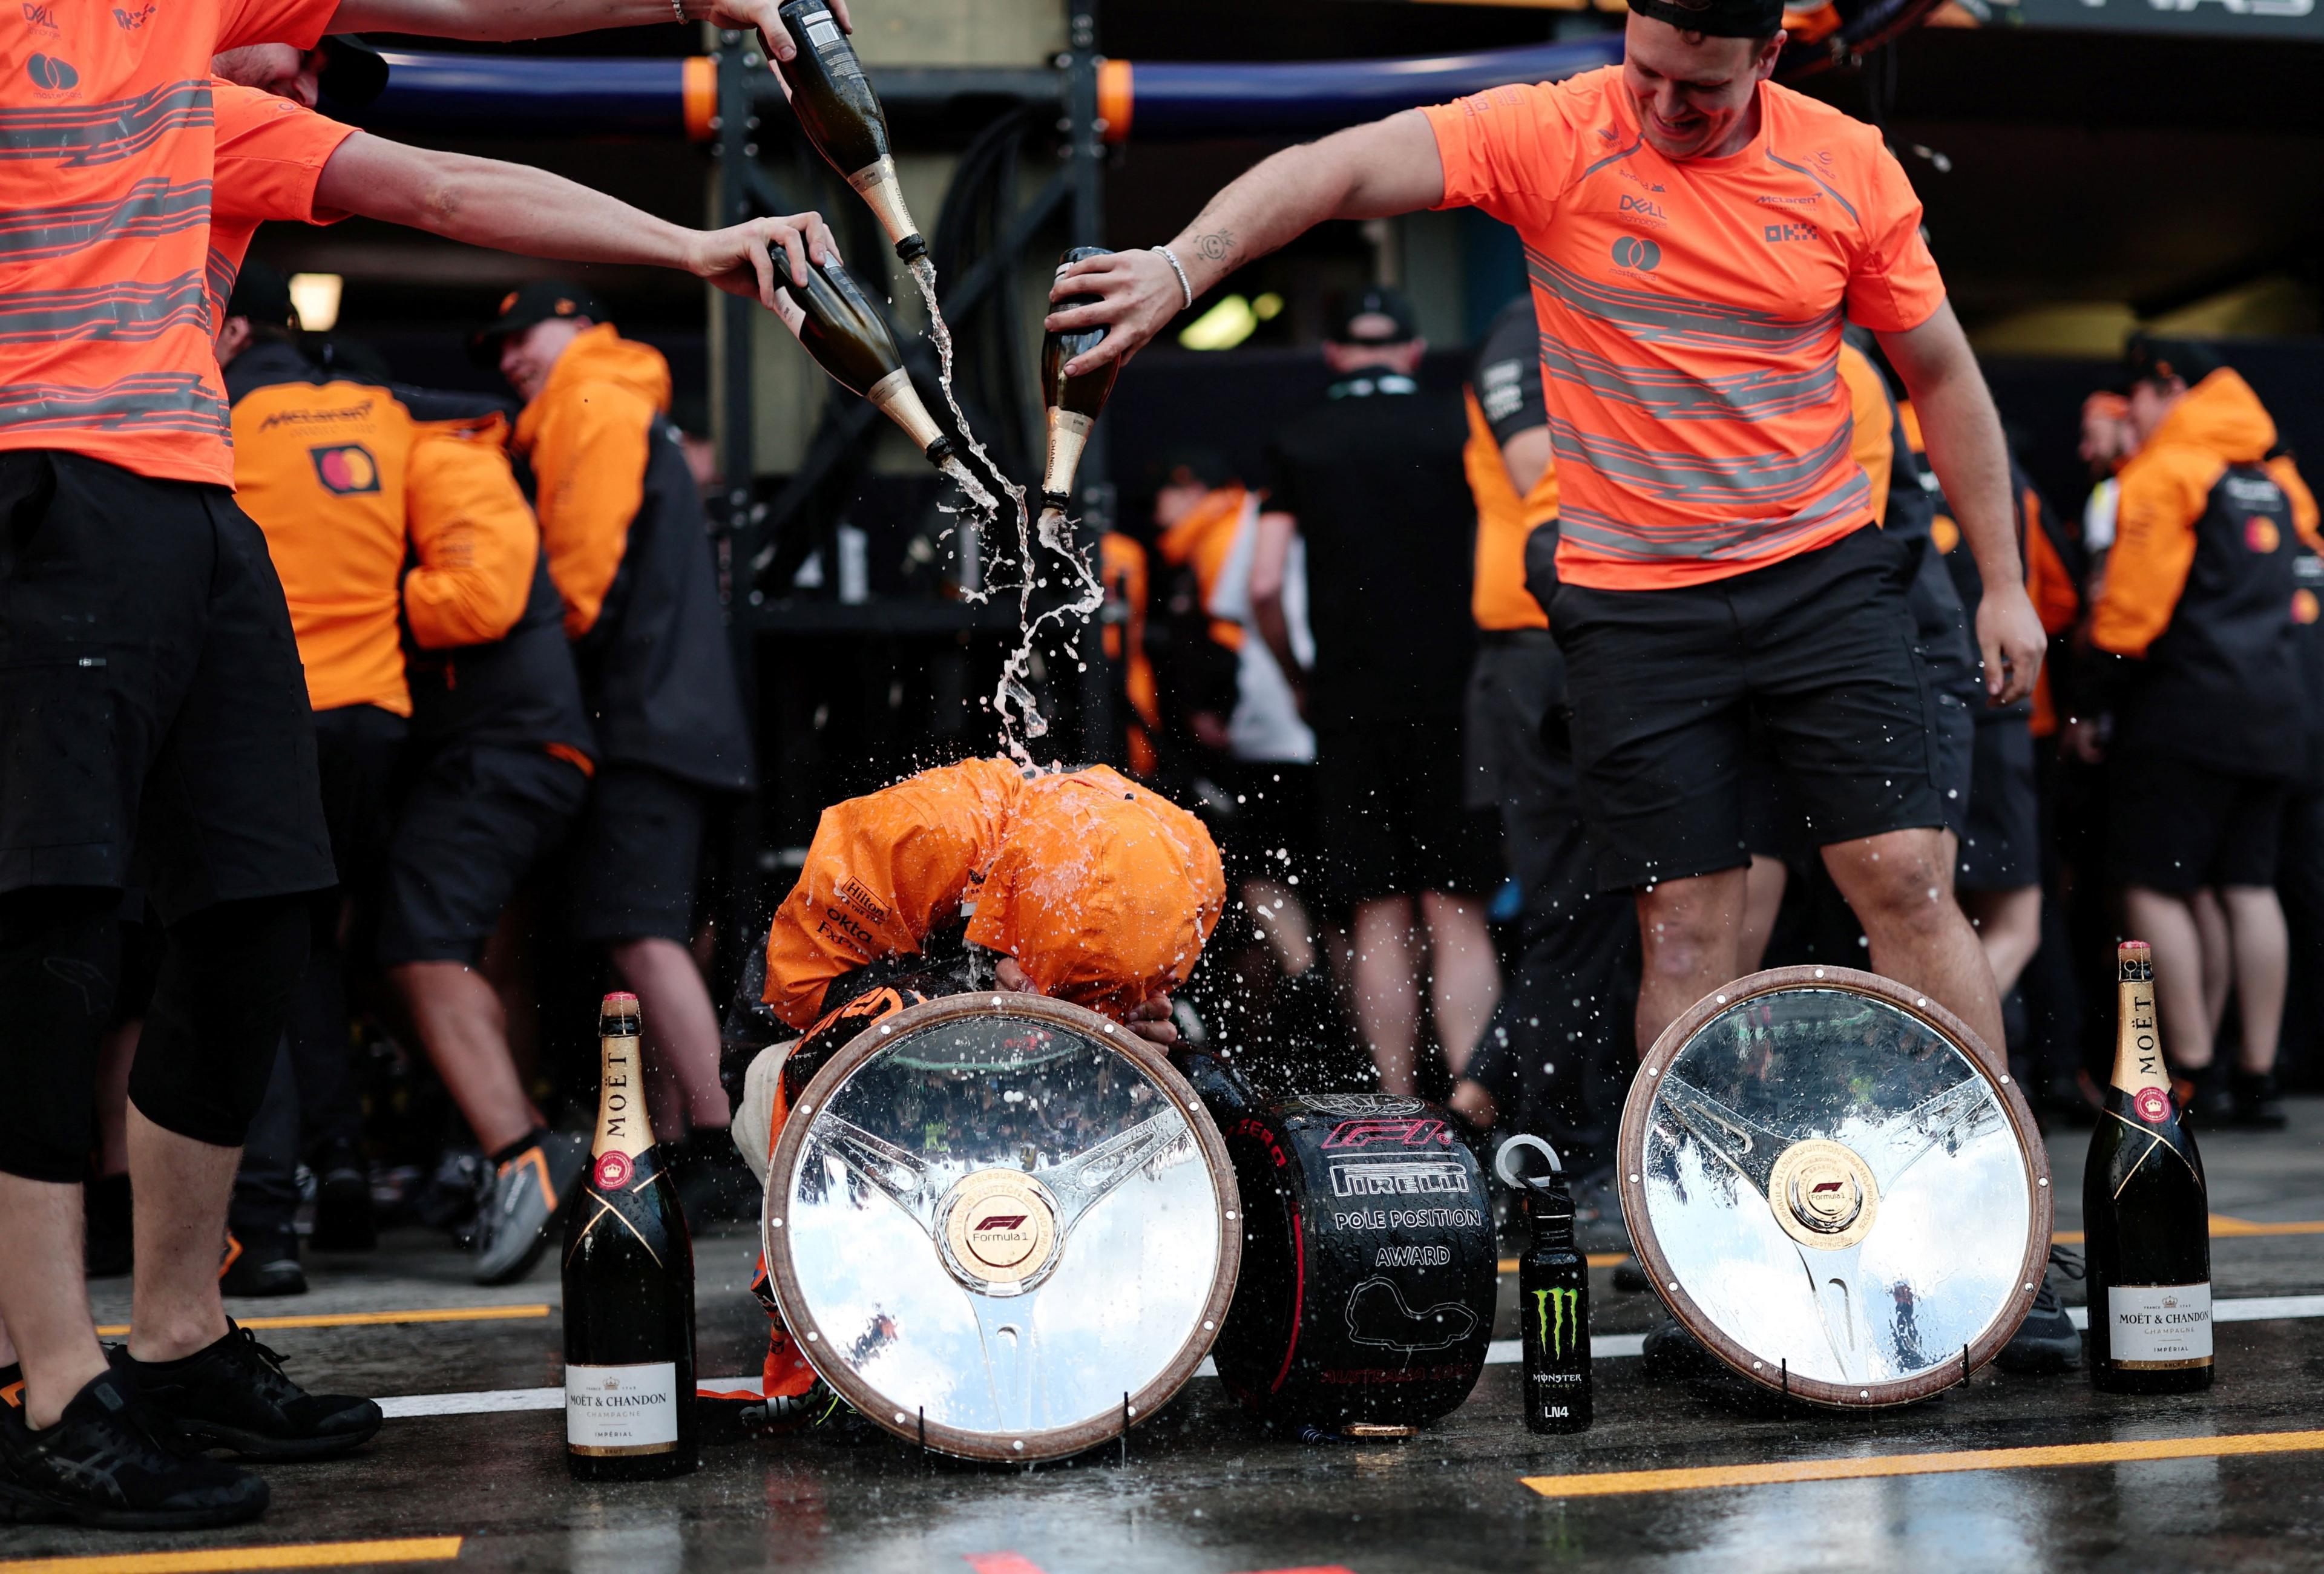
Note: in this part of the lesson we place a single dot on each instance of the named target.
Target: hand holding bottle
(740, 259)
(759, 17)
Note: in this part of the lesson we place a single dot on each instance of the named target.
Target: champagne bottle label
(878, 186)
(623, 1132)
(1068, 437)
(2154, 1327)
(895, 398)
(622, 1410)
(2138, 1066)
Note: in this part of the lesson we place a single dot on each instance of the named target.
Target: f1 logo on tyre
(1635, 251)
(346, 469)
(1386, 1134)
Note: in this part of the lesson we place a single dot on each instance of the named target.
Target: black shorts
(1518, 676)
(2001, 851)
(1271, 834)
(1664, 684)
(153, 718)
(638, 855)
(1390, 815)
(2176, 826)
(358, 749)
(477, 818)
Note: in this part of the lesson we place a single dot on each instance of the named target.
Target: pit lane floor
(470, 1476)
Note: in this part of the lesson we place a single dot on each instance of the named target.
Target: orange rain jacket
(2201, 593)
(1103, 891)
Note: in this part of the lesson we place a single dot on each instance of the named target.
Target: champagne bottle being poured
(840, 116)
(1072, 404)
(837, 322)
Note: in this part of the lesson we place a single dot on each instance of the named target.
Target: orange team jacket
(586, 434)
(1504, 520)
(2201, 593)
(1122, 569)
(349, 488)
(1203, 541)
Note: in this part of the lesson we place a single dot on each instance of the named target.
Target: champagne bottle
(2146, 1209)
(832, 317)
(1553, 1297)
(629, 1288)
(1072, 404)
(842, 117)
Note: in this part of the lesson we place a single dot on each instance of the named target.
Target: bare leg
(681, 1030)
(1900, 885)
(2218, 955)
(43, 1297)
(2262, 967)
(1473, 1104)
(181, 1188)
(2009, 926)
(1387, 995)
(1275, 908)
(461, 1023)
(1762, 897)
(1464, 977)
(2168, 923)
(1687, 935)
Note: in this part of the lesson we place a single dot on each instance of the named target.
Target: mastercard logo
(2304, 606)
(52, 74)
(1632, 252)
(346, 469)
(2261, 535)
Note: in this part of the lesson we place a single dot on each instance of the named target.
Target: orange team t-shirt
(270, 154)
(1689, 317)
(105, 157)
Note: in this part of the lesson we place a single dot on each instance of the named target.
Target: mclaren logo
(346, 469)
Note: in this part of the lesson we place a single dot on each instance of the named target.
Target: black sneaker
(525, 1197)
(112, 1462)
(343, 1221)
(2258, 1105)
(2047, 1341)
(267, 1264)
(2213, 1103)
(233, 1394)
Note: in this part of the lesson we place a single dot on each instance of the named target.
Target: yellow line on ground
(373, 1319)
(1610, 1483)
(297, 1555)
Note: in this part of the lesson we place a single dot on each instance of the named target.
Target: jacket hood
(600, 354)
(2221, 416)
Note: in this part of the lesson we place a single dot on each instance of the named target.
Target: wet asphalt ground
(1203, 1491)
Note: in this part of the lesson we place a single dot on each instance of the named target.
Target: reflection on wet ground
(1203, 1491)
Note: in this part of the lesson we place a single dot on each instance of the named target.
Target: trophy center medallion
(999, 1228)
(1823, 1194)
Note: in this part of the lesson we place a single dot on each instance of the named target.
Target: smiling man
(1695, 235)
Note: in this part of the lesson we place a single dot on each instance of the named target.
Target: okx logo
(1799, 229)
(1557, 1320)
(346, 469)
(1637, 251)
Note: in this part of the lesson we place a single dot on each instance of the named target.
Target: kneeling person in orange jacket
(1080, 885)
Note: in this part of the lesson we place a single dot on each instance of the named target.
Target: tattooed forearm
(1215, 245)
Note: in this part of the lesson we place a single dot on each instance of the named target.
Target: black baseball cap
(1376, 316)
(536, 302)
(262, 294)
(354, 73)
(1717, 18)
(2148, 358)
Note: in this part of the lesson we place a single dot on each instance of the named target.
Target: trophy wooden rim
(1631, 1152)
(1049, 1443)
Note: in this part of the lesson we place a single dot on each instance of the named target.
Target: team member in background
(1556, 1054)
(2193, 655)
(1371, 480)
(973, 876)
(630, 553)
(171, 723)
(1713, 555)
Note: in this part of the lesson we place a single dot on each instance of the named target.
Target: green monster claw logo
(1557, 1313)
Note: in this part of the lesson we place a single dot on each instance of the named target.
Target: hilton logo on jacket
(346, 469)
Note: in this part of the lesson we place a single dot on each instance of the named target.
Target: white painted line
(1501, 1352)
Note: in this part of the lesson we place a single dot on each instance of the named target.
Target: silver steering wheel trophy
(1834, 1187)
(1001, 1226)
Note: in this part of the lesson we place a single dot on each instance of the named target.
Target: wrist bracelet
(1185, 285)
(677, 9)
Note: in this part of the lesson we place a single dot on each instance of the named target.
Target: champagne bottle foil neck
(911, 249)
(940, 450)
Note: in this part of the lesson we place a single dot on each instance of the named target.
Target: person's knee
(219, 1004)
(1900, 880)
(59, 958)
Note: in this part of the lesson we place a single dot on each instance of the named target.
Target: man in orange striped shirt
(1695, 235)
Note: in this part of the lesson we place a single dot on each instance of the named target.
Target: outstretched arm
(1368, 171)
(495, 21)
(1972, 462)
(511, 208)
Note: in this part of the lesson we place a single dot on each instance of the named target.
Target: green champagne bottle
(849, 337)
(842, 117)
(1071, 403)
(2148, 1212)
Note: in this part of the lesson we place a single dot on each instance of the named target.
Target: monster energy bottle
(1553, 1297)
